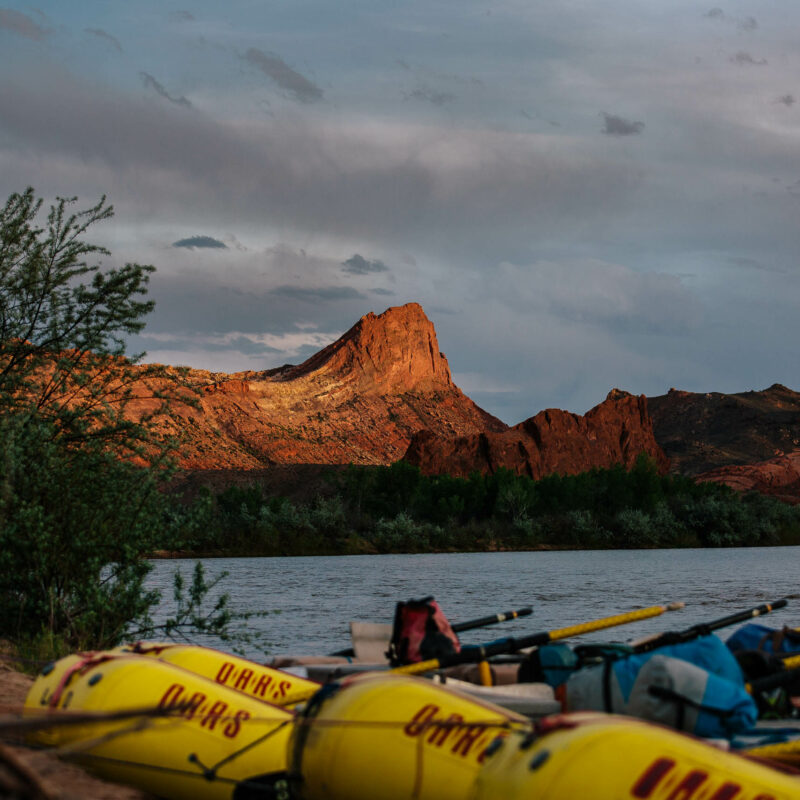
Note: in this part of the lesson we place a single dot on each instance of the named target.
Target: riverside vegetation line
(396, 509)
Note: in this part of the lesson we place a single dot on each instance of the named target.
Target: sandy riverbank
(58, 780)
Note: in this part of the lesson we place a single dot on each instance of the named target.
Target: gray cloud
(743, 23)
(744, 59)
(751, 263)
(390, 191)
(382, 292)
(150, 82)
(181, 16)
(358, 265)
(188, 342)
(366, 171)
(428, 95)
(278, 70)
(22, 24)
(101, 34)
(320, 294)
(199, 241)
(617, 126)
(786, 100)
(222, 304)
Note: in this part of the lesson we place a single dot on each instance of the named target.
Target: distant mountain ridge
(747, 440)
(384, 391)
(703, 431)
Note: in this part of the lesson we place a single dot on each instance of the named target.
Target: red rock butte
(383, 391)
(359, 400)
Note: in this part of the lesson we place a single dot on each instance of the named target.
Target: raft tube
(606, 757)
(391, 737)
(264, 683)
(212, 743)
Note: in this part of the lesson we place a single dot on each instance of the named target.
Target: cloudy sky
(581, 195)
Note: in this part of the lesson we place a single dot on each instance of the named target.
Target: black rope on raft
(248, 783)
(123, 762)
(237, 753)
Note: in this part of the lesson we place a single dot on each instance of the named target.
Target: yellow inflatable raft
(617, 758)
(265, 683)
(392, 737)
(210, 742)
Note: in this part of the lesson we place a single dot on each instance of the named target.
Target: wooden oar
(476, 653)
(703, 629)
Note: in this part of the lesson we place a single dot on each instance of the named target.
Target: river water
(312, 599)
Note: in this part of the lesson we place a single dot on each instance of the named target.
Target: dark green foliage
(75, 524)
(77, 517)
(397, 509)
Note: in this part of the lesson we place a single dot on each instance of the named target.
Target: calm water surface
(318, 596)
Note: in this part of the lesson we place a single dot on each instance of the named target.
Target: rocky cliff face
(700, 432)
(749, 440)
(359, 400)
(778, 477)
(613, 432)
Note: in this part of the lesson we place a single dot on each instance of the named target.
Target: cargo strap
(608, 671)
(210, 773)
(548, 725)
(663, 693)
(776, 639)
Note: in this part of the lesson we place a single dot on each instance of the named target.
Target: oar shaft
(743, 616)
(492, 619)
(473, 654)
(775, 681)
(611, 622)
(702, 629)
(789, 675)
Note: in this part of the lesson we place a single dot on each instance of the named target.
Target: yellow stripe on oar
(610, 622)
(560, 633)
(791, 662)
(782, 752)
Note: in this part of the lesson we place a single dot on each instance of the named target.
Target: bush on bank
(396, 509)
(77, 518)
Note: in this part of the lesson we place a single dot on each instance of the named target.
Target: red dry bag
(421, 632)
